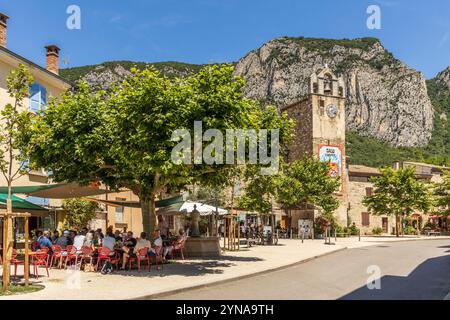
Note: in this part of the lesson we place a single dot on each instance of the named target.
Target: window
(38, 98)
(369, 192)
(171, 222)
(365, 218)
(119, 211)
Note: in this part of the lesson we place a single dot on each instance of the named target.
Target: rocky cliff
(387, 100)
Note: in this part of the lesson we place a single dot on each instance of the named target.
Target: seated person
(181, 237)
(64, 240)
(157, 242)
(89, 240)
(44, 241)
(79, 239)
(109, 242)
(131, 251)
(118, 236)
(55, 236)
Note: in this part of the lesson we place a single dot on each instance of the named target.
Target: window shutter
(34, 97)
(365, 219)
(369, 192)
(43, 98)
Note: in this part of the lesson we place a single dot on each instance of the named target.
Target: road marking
(447, 297)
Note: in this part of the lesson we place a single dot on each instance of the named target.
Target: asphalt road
(408, 270)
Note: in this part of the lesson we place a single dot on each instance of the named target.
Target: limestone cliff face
(386, 99)
(444, 78)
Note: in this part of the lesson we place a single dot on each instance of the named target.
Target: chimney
(52, 58)
(3, 27)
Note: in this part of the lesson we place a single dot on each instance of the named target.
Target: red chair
(15, 262)
(44, 249)
(142, 255)
(105, 254)
(34, 245)
(179, 247)
(40, 259)
(86, 255)
(57, 253)
(72, 254)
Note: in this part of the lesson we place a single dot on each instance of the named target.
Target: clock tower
(320, 122)
(320, 133)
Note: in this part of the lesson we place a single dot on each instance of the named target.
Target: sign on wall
(333, 156)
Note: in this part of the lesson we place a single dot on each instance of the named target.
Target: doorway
(385, 225)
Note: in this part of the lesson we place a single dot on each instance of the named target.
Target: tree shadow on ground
(427, 281)
(189, 268)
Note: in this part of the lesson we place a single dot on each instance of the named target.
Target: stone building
(47, 84)
(320, 132)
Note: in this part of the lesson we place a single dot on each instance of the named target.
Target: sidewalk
(69, 285)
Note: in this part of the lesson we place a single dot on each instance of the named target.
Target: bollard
(335, 236)
(303, 237)
(359, 235)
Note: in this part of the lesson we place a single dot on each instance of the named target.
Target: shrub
(409, 230)
(377, 231)
(353, 230)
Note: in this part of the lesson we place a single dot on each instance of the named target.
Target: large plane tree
(123, 137)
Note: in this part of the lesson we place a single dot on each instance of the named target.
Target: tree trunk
(397, 226)
(7, 245)
(148, 208)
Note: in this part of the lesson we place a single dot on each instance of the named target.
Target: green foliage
(207, 194)
(397, 193)
(20, 289)
(375, 153)
(169, 69)
(410, 230)
(307, 182)
(124, 138)
(438, 150)
(441, 195)
(78, 213)
(321, 44)
(378, 231)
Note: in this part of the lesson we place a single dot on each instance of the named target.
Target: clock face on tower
(332, 111)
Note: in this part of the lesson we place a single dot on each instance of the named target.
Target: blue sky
(202, 31)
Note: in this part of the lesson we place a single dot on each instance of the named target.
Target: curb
(219, 282)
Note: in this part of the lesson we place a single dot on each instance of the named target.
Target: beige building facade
(47, 85)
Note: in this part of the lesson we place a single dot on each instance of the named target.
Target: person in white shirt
(109, 241)
(78, 241)
(130, 252)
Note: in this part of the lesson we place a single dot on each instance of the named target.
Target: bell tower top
(325, 82)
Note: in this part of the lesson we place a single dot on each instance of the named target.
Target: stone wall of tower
(302, 143)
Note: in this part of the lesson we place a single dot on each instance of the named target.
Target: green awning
(19, 204)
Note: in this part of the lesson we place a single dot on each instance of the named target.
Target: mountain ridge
(386, 97)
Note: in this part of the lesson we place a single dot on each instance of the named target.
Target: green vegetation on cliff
(169, 68)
